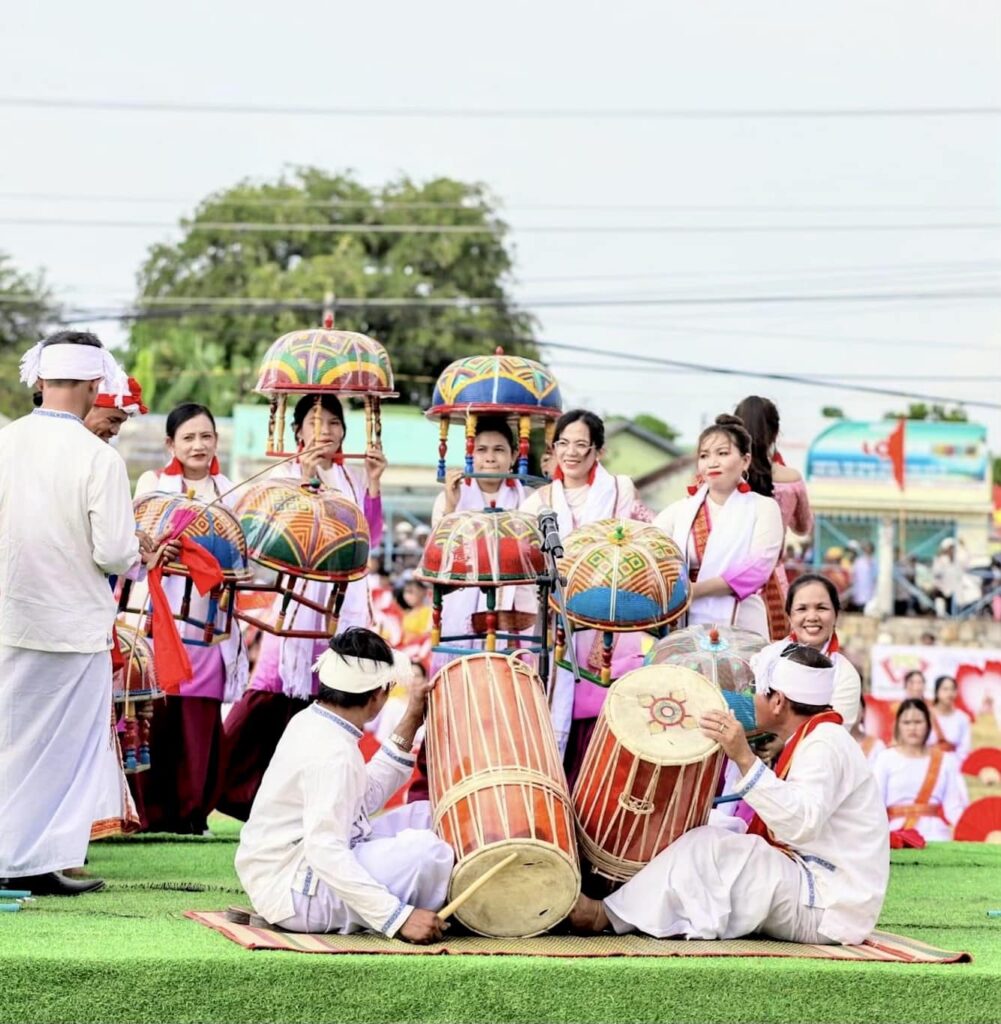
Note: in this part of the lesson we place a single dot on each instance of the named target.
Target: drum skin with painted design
(649, 774)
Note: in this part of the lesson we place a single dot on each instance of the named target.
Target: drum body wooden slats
(497, 787)
(649, 775)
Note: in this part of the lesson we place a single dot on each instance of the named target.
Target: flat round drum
(654, 713)
(528, 897)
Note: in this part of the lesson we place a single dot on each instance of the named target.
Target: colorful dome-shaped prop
(304, 534)
(488, 549)
(491, 548)
(214, 528)
(721, 654)
(621, 576)
(324, 361)
(495, 385)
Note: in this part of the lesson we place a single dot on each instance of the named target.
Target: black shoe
(55, 883)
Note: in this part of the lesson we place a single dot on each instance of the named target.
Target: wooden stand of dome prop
(214, 528)
(303, 533)
(323, 361)
(621, 576)
(518, 389)
(490, 549)
(134, 690)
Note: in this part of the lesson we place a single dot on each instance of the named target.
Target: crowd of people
(286, 758)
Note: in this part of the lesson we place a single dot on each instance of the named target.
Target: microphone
(550, 529)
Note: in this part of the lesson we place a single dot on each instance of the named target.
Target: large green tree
(271, 274)
(27, 312)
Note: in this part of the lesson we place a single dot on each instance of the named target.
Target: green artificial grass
(128, 954)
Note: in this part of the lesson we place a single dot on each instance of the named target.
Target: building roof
(627, 426)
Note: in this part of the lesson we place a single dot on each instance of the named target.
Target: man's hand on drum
(417, 697)
(422, 927)
(722, 727)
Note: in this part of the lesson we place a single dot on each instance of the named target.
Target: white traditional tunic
(900, 778)
(309, 857)
(954, 728)
(745, 541)
(715, 884)
(66, 524)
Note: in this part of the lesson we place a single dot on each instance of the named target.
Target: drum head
(654, 712)
(528, 897)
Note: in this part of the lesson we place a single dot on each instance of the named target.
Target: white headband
(798, 682)
(73, 362)
(359, 675)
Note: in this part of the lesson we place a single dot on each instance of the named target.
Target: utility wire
(242, 227)
(481, 203)
(493, 113)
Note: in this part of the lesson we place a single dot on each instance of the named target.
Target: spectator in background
(904, 602)
(928, 639)
(922, 789)
(948, 568)
(915, 685)
(950, 727)
(863, 577)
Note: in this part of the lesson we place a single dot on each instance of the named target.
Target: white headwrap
(798, 682)
(73, 362)
(359, 675)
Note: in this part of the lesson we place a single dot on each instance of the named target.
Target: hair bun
(726, 419)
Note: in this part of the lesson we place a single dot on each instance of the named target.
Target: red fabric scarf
(757, 826)
(832, 648)
(173, 666)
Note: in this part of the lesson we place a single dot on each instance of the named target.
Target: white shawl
(730, 535)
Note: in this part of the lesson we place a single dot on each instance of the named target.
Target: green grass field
(128, 954)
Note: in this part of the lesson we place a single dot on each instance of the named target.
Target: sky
(886, 273)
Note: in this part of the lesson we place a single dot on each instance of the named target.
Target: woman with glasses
(582, 491)
(922, 788)
(732, 537)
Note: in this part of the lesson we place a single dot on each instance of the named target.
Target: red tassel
(593, 473)
(693, 489)
(558, 474)
(173, 666)
(117, 658)
(743, 487)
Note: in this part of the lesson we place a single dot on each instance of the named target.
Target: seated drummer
(309, 858)
(814, 864)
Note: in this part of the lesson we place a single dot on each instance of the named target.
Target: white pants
(54, 743)
(715, 884)
(411, 862)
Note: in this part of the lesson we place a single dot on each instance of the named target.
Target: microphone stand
(555, 582)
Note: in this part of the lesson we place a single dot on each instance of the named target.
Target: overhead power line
(789, 378)
(479, 203)
(494, 113)
(277, 227)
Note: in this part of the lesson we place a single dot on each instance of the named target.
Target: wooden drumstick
(452, 907)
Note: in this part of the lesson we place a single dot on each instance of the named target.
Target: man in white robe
(67, 524)
(309, 857)
(816, 865)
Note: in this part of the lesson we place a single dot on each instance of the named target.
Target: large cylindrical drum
(497, 787)
(649, 775)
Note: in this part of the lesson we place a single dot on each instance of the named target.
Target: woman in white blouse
(731, 537)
